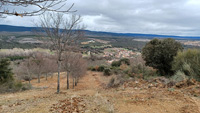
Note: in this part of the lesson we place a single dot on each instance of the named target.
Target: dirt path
(90, 97)
(197, 101)
(43, 96)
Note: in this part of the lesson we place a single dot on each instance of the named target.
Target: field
(92, 96)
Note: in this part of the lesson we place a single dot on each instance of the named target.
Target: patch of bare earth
(91, 97)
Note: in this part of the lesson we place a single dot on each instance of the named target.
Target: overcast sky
(170, 17)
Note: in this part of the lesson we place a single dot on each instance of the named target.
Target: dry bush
(96, 63)
(14, 86)
(116, 81)
(111, 83)
(138, 69)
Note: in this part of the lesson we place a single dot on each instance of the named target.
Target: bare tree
(39, 60)
(40, 6)
(75, 65)
(63, 32)
(67, 65)
(79, 69)
(49, 65)
(23, 69)
(27, 68)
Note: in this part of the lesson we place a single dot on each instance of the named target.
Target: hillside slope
(91, 97)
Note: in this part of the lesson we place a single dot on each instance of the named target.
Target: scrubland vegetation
(91, 81)
(164, 58)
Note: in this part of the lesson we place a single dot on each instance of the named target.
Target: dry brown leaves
(70, 105)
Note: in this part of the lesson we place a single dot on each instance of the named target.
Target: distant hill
(8, 28)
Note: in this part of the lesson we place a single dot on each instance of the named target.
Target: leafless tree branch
(41, 7)
(62, 33)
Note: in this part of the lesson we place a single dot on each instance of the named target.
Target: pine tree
(5, 71)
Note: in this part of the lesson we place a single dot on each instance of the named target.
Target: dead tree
(62, 32)
(40, 7)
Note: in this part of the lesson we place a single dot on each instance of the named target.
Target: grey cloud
(171, 17)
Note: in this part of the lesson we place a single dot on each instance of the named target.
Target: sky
(166, 17)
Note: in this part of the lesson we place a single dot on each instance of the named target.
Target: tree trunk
(29, 80)
(67, 80)
(51, 75)
(58, 84)
(73, 83)
(39, 78)
(46, 76)
(29, 75)
(76, 81)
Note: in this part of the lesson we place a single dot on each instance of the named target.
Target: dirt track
(90, 97)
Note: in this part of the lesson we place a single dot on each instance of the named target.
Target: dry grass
(91, 94)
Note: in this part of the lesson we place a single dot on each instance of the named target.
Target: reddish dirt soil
(91, 97)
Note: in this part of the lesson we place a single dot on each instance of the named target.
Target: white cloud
(171, 17)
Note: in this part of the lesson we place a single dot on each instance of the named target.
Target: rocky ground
(90, 96)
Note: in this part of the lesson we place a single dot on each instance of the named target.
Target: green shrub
(125, 61)
(107, 72)
(5, 71)
(101, 68)
(149, 73)
(127, 70)
(159, 54)
(137, 68)
(92, 68)
(14, 86)
(143, 70)
(116, 70)
(115, 64)
(179, 76)
(187, 69)
(26, 87)
(120, 62)
(111, 83)
(188, 62)
(18, 85)
(13, 58)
